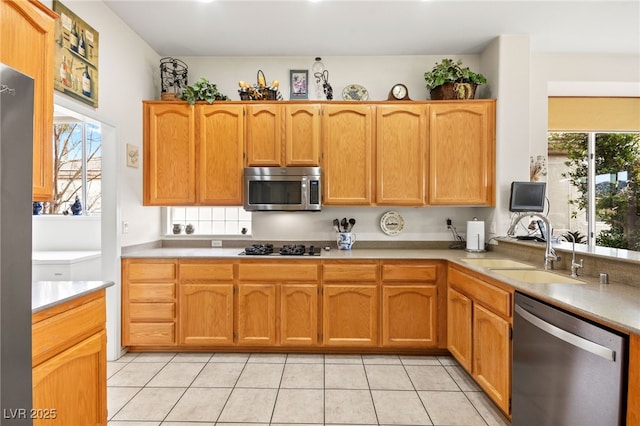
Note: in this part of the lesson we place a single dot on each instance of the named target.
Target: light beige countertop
(616, 305)
(46, 294)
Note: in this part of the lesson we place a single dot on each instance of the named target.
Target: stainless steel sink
(496, 263)
(536, 276)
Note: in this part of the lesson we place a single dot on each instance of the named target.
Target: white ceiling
(401, 27)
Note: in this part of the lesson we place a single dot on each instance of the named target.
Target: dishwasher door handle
(587, 345)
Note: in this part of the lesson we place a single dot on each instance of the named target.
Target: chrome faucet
(574, 266)
(549, 254)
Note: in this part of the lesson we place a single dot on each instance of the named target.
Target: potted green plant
(202, 90)
(449, 80)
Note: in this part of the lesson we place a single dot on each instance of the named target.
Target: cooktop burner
(286, 250)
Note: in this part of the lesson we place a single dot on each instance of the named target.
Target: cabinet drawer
(278, 272)
(56, 333)
(206, 271)
(152, 333)
(399, 272)
(494, 298)
(151, 271)
(152, 291)
(350, 272)
(152, 311)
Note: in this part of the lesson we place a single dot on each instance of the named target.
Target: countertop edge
(47, 294)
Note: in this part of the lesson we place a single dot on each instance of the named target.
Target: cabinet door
(401, 142)
(299, 314)
(221, 139)
(492, 355)
(169, 156)
(459, 311)
(74, 383)
(302, 135)
(256, 314)
(347, 141)
(633, 395)
(462, 153)
(27, 45)
(264, 135)
(206, 314)
(350, 315)
(409, 315)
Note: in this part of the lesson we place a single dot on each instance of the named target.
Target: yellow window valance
(605, 114)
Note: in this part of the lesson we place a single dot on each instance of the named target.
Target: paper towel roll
(475, 235)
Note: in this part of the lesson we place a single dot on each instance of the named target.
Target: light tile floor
(203, 389)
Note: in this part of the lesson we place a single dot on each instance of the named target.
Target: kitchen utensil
(344, 224)
(352, 222)
(336, 225)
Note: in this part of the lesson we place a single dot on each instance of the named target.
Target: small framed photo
(299, 84)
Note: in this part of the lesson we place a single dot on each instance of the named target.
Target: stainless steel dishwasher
(567, 371)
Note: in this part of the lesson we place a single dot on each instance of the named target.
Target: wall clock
(399, 92)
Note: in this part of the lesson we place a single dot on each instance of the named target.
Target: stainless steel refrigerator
(16, 166)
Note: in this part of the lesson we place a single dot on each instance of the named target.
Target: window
(593, 187)
(77, 166)
(209, 220)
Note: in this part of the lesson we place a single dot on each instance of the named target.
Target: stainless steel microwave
(282, 188)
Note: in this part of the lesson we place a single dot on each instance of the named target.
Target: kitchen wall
(55, 232)
(128, 74)
(520, 80)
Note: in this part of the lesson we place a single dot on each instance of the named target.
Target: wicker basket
(168, 96)
(450, 91)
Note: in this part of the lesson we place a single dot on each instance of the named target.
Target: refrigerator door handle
(570, 338)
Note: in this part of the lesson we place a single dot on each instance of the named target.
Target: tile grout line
(404, 367)
(185, 390)
(273, 410)
(462, 391)
(232, 389)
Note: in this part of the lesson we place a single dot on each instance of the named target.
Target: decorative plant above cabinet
(449, 80)
(202, 90)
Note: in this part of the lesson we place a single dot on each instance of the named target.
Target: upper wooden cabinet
(302, 135)
(264, 135)
(193, 155)
(283, 135)
(347, 143)
(27, 44)
(373, 153)
(401, 143)
(220, 138)
(169, 154)
(461, 153)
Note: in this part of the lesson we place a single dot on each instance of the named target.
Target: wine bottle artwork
(73, 38)
(86, 82)
(81, 44)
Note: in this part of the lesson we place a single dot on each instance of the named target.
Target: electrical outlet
(216, 243)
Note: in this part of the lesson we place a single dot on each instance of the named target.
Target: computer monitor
(527, 196)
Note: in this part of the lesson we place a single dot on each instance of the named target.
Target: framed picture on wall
(76, 56)
(299, 87)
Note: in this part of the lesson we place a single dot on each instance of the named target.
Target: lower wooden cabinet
(299, 315)
(350, 315)
(206, 314)
(299, 304)
(410, 308)
(633, 396)
(479, 332)
(459, 323)
(70, 363)
(492, 355)
(256, 314)
(149, 302)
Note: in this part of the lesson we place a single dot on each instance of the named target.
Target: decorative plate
(355, 92)
(391, 223)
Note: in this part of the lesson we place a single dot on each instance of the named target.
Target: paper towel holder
(478, 245)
